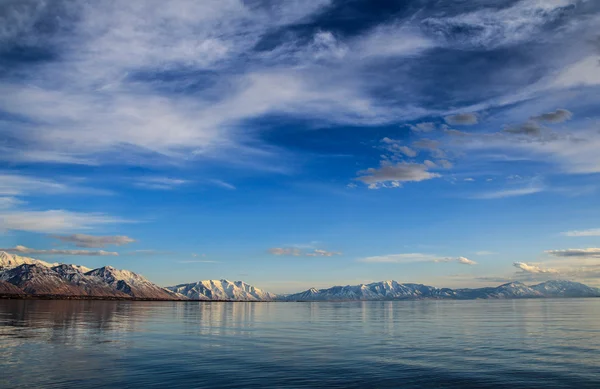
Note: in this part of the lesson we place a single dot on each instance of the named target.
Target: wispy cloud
(285, 251)
(485, 252)
(416, 257)
(30, 251)
(222, 184)
(588, 252)
(13, 184)
(160, 183)
(53, 221)
(198, 261)
(7, 202)
(94, 241)
(297, 252)
(322, 253)
(578, 233)
(499, 194)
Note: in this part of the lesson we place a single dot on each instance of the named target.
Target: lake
(541, 343)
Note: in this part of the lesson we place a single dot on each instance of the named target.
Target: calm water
(422, 344)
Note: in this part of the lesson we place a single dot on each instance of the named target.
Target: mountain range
(21, 277)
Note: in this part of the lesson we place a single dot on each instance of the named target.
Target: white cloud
(52, 221)
(416, 257)
(491, 27)
(82, 240)
(532, 268)
(392, 41)
(586, 72)
(590, 232)
(105, 99)
(30, 251)
(423, 127)
(461, 260)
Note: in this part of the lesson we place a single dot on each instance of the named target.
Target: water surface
(402, 344)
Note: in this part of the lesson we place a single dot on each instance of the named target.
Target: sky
(296, 144)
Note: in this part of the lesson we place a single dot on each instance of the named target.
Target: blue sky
(297, 144)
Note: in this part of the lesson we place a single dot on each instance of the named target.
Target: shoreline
(134, 299)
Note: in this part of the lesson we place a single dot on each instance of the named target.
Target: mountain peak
(221, 290)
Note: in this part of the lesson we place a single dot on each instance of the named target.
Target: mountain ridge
(29, 277)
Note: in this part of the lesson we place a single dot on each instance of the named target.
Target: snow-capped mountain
(131, 283)
(89, 285)
(392, 290)
(222, 290)
(10, 260)
(557, 288)
(21, 275)
(40, 280)
(384, 290)
(29, 276)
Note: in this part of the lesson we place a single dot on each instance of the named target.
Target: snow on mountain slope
(558, 288)
(10, 260)
(384, 290)
(89, 285)
(221, 290)
(504, 291)
(37, 279)
(392, 290)
(131, 283)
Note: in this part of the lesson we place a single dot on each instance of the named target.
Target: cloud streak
(580, 233)
(30, 251)
(296, 252)
(53, 221)
(94, 241)
(592, 252)
(415, 258)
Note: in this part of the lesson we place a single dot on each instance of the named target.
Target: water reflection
(522, 343)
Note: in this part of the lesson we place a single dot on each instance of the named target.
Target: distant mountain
(384, 290)
(221, 290)
(559, 288)
(20, 275)
(29, 276)
(392, 290)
